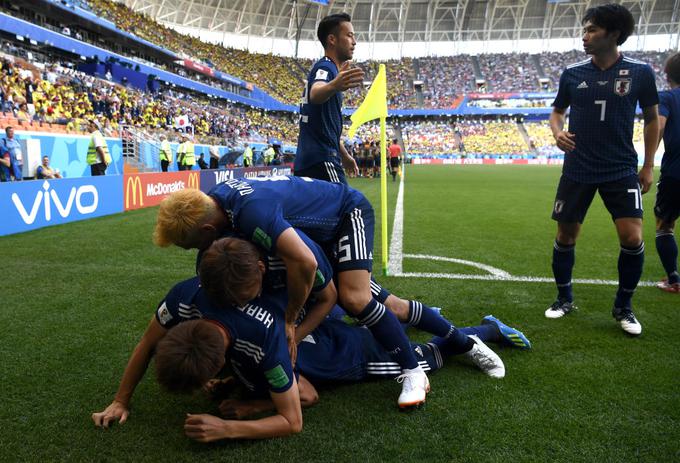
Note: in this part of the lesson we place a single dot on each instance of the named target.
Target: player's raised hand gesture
(348, 77)
(115, 411)
(565, 141)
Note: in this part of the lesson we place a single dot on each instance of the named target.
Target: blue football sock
(388, 332)
(425, 318)
(379, 293)
(447, 347)
(667, 248)
(487, 333)
(562, 264)
(630, 271)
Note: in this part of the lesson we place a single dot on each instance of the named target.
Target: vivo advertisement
(40, 203)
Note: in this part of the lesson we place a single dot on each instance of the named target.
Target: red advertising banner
(149, 189)
(198, 67)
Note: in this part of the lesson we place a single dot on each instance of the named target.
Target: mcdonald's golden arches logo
(194, 181)
(133, 188)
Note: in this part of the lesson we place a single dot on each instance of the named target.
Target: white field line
(395, 268)
(394, 263)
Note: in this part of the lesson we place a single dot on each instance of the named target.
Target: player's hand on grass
(292, 346)
(646, 177)
(348, 77)
(205, 428)
(114, 412)
(565, 141)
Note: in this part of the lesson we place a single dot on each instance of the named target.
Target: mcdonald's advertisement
(33, 204)
(149, 189)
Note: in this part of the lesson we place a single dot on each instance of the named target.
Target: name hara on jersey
(258, 313)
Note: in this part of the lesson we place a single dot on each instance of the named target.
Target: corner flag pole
(383, 191)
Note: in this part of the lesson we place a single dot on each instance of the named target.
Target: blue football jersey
(320, 124)
(669, 107)
(258, 352)
(334, 351)
(262, 208)
(602, 114)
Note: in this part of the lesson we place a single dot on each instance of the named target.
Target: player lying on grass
(194, 352)
(265, 211)
(185, 304)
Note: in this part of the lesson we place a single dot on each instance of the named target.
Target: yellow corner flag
(374, 105)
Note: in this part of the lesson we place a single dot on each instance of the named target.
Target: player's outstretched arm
(324, 302)
(651, 137)
(300, 269)
(348, 77)
(287, 421)
(118, 410)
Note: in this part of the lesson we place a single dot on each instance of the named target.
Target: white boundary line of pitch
(395, 267)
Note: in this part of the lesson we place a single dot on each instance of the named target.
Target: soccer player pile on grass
(667, 207)
(253, 337)
(603, 93)
(335, 216)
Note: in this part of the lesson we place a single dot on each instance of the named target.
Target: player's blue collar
(616, 63)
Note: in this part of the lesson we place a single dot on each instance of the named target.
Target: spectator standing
(45, 171)
(201, 162)
(268, 155)
(189, 158)
(165, 153)
(214, 157)
(98, 156)
(320, 153)
(11, 156)
(181, 150)
(248, 157)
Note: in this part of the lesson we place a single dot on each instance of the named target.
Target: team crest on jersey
(622, 86)
(559, 205)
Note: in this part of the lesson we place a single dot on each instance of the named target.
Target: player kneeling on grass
(265, 211)
(194, 352)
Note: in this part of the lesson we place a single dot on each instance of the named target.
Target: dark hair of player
(229, 270)
(672, 68)
(612, 17)
(188, 356)
(329, 25)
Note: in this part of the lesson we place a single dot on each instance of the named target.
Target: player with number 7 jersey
(603, 93)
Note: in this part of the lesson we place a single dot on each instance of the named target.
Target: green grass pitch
(76, 298)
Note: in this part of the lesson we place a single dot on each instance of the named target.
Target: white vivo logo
(50, 196)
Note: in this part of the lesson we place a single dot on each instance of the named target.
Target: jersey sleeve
(562, 99)
(648, 94)
(665, 104)
(167, 313)
(324, 271)
(276, 365)
(322, 73)
(262, 222)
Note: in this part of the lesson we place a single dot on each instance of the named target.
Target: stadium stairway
(525, 136)
(477, 68)
(539, 68)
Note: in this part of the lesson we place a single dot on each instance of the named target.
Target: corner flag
(374, 105)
